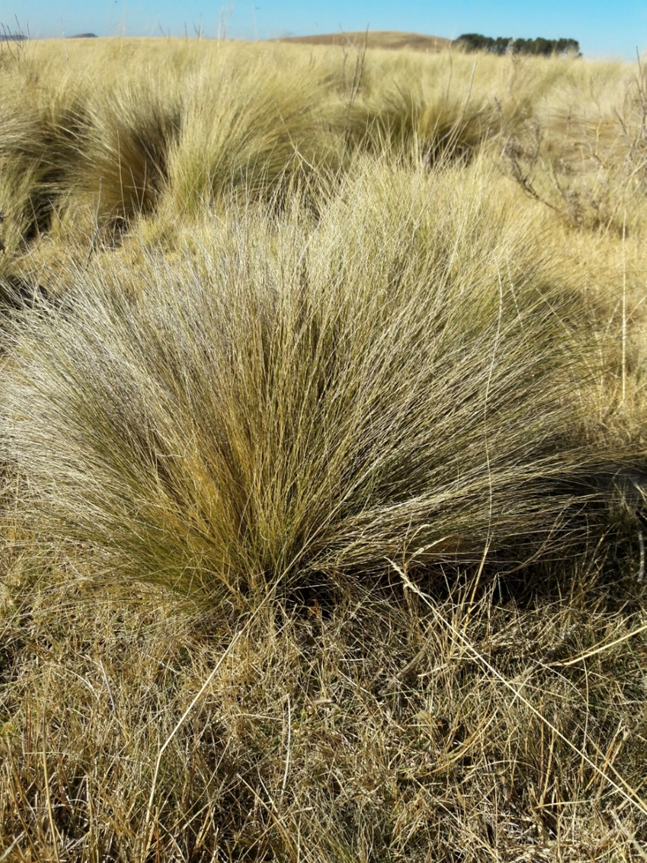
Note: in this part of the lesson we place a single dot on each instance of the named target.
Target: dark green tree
(539, 47)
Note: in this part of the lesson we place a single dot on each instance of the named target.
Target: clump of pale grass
(446, 105)
(255, 128)
(42, 126)
(406, 118)
(67, 147)
(123, 160)
(395, 381)
(97, 136)
(101, 151)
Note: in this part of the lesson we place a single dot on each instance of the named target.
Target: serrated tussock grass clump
(99, 142)
(409, 372)
(395, 381)
(446, 106)
(90, 152)
(123, 161)
(430, 118)
(255, 128)
(42, 129)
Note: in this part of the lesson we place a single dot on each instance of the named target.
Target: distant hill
(13, 37)
(389, 39)
(83, 36)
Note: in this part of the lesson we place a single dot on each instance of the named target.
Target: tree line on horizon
(508, 45)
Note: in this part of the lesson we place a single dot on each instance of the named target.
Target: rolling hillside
(388, 39)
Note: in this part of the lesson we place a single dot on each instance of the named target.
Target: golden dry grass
(322, 423)
(390, 40)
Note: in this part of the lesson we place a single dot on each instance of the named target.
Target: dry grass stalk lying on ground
(369, 733)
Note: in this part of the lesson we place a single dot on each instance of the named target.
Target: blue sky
(602, 27)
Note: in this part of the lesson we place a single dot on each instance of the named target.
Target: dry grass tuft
(405, 388)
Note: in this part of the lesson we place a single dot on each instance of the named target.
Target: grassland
(322, 420)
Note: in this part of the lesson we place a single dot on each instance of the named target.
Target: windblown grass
(302, 397)
(123, 159)
(38, 151)
(243, 128)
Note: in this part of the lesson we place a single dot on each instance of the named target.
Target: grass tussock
(124, 157)
(176, 127)
(403, 391)
(261, 139)
(322, 428)
(42, 126)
